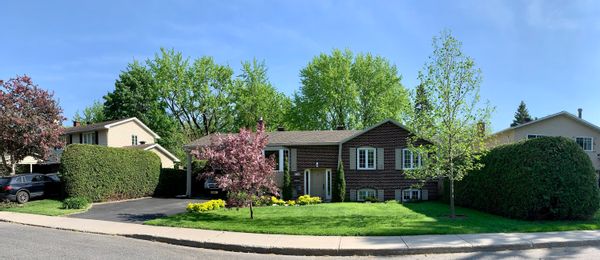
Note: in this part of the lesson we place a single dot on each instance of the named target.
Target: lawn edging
(314, 245)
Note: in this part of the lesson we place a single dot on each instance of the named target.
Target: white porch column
(188, 182)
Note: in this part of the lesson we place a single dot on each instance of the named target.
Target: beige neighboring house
(124, 133)
(565, 124)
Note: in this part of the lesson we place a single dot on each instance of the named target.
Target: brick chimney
(76, 123)
(579, 111)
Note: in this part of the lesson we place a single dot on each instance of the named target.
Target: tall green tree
(287, 191)
(339, 89)
(197, 95)
(328, 96)
(380, 92)
(522, 115)
(255, 97)
(136, 95)
(92, 114)
(339, 185)
(452, 128)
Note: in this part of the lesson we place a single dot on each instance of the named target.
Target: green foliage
(371, 199)
(136, 94)
(308, 200)
(198, 94)
(75, 203)
(172, 182)
(522, 115)
(287, 189)
(102, 173)
(92, 114)
(276, 201)
(447, 120)
(542, 178)
(255, 97)
(339, 185)
(340, 89)
(205, 206)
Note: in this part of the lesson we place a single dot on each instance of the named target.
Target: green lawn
(46, 207)
(364, 219)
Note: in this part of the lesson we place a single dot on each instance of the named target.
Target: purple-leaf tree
(30, 122)
(238, 165)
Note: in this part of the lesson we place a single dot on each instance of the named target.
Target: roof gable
(552, 116)
(108, 125)
(394, 122)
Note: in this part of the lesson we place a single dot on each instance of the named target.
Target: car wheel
(22, 197)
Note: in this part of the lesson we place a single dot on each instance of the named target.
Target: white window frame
(134, 140)
(88, 138)
(411, 193)
(362, 194)
(583, 144)
(366, 150)
(281, 154)
(534, 136)
(413, 165)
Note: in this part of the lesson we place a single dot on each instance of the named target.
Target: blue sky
(546, 53)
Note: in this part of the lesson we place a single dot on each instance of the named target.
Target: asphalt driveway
(136, 211)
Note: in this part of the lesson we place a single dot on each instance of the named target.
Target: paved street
(136, 211)
(26, 242)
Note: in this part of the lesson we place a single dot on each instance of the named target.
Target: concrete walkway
(314, 245)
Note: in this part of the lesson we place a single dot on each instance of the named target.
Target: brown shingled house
(374, 161)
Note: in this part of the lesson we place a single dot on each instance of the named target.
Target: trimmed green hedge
(172, 182)
(542, 178)
(102, 173)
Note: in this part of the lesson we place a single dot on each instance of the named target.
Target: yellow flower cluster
(205, 206)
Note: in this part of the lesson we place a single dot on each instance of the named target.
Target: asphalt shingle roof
(90, 127)
(289, 138)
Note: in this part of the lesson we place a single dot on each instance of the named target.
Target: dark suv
(22, 187)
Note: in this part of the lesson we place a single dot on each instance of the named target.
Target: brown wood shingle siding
(307, 158)
(389, 137)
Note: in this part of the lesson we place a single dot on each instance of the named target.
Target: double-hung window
(411, 194)
(363, 194)
(134, 140)
(88, 138)
(366, 158)
(585, 143)
(410, 160)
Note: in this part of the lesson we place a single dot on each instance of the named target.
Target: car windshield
(4, 181)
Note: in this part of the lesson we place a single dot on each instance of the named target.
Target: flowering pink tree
(30, 122)
(238, 166)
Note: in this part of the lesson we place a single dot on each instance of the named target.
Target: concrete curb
(314, 246)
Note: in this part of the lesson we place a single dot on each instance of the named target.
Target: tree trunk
(13, 169)
(251, 211)
(452, 212)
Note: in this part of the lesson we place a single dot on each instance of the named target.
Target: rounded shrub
(538, 179)
(75, 203)
(101, 173)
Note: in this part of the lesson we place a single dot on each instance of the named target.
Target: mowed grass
(364, 219)
(46, 207)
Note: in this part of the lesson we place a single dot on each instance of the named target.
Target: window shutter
(398, 159)
(353, 160)
(352, 195)
(293, 160)
(80, 138)
(398, 194)
(70, 139)
(96, 137)
(424, 195)
(380, 159)
(380, 196)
